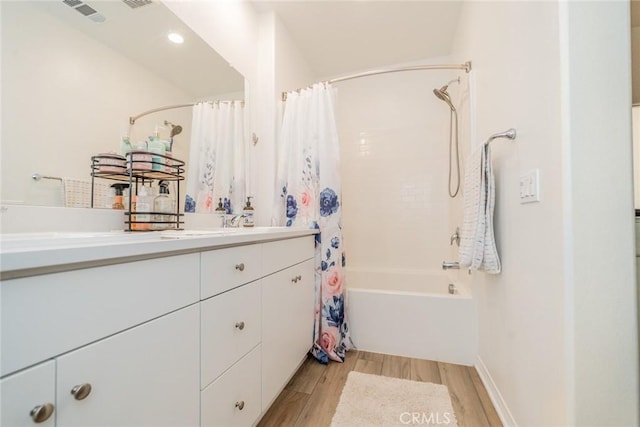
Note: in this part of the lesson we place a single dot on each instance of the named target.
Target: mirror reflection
(72, 76)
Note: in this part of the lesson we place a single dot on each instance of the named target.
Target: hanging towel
(477, 242)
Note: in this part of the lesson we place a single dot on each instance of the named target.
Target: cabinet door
(234, 398)
(287, 325)
(146, 376)
(28, 397)
(230, 328)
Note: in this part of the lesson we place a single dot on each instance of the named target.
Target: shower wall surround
(394, 136)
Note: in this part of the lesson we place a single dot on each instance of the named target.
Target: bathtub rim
(445, 279)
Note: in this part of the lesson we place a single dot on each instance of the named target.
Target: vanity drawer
(230, 325)
(234, 398)
(225, 269)
(44, 316)
(281, 254)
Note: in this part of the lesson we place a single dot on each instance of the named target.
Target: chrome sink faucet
(232, 220)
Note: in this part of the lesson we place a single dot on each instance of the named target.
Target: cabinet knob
(240, 405)
(41, 413)
(240, 325)
(240, 266)
(296, 279)
(81, 391)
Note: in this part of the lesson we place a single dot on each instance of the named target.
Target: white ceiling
(338, 37)
(141, 35)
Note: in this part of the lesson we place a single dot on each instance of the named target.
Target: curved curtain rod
(132, 119)
(466, 67)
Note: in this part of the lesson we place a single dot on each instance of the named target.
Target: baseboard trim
(494, 394)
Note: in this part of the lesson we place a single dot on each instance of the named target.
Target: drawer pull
(81, 391)
(296, 279)
(240, 405)
(41, 413)
(240, 325)
(240, 266)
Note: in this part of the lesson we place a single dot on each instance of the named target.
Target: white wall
(394, 136)
(515, 54)
(635, 120)
(601, 306)
(557, 327)
(67, 97)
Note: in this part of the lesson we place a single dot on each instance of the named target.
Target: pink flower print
(208, 203)
(332, 283)
(305, 198)
(328, 339)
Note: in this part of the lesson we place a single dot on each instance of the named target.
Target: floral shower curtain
(308, 179)
(216, 157)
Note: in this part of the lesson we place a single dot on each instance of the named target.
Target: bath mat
(374, 400)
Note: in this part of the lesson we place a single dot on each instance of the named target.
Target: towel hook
(509, 133)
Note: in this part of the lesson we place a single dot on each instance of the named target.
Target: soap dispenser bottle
(248, 214)
(221, 212)
(143, 205)
(163, 208)
(117, 201)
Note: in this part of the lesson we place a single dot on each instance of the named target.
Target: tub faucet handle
(455, 237)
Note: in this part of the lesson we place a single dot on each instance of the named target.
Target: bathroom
(557, 329)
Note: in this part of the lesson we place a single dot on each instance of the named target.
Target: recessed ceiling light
(176, 38)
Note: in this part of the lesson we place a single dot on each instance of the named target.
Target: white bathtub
(411, 314)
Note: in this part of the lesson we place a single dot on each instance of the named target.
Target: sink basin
(178, 234)
(32, 241)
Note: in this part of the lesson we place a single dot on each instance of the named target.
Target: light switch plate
(530, 187)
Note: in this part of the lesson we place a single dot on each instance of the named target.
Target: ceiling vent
(86, 10)
(72, 3)
(134, 4)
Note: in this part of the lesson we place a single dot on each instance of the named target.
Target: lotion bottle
(221, 212)
(248, 214)
(163, 208)
(144, 206)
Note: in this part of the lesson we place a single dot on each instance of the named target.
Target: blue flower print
(323, 265)
(328, 253)
(318, 236)
(333, 311)
(227, 206)
(189, 204)
(335, 242)
(292, 207)
(289, 223)
(328, 202)
(344, 259)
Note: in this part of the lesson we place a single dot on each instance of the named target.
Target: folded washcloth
(477, 243)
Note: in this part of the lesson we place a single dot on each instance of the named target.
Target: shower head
(444, 95)
(175, 129)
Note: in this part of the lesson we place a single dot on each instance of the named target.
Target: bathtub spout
(446, 265)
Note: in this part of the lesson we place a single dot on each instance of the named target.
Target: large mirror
(74, 72)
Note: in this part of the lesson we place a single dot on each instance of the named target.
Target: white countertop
(24, 254)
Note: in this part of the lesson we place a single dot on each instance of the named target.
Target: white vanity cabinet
(131, 331)
(204, 337)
